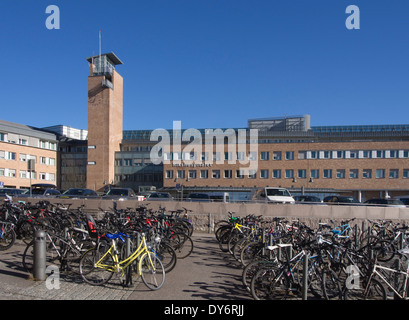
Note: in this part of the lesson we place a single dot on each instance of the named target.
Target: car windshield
(162, 195)
(278, 192)
(347, 199)
(37, 191)
(117, 192)
(75, 191)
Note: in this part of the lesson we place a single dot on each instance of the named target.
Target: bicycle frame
(376, 272)
(120, 266)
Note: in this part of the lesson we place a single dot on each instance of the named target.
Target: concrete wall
(205, 215)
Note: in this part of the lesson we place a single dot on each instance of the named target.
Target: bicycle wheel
(152, 271)
(270, 284)
(7, 238)
(93, 275)
(167, 256)
(331, 285)
(375, 291)
(182, 244)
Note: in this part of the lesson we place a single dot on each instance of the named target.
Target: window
(327, 173)
(405, 173)
(393, 173)
(315, 173)
(393, 153)
(340, 173)
(289, 173)
(380, 173)
(367, 154)
(2, 172)
(302, 173)
(216, 174)
(127, 162)
(340, 154)
(23, 157)
(380, 153)
(252, 174)
(277, 155)
(353, 173)
(169, 174)
(264, 174)
(327, 154)
(367, 174)
(22, 141)
(3, 136)
(228, 156)
(353, 154)
(276, 174)
(205, 156)
(180, 174)
(265, 155)
(228, 174)
(289, 155)
(302, 155)
(252, 156)
(314, 154)
(11, 173)
(192, 174)
(240, 156)
(239, 174)
(216, 156)
(204, 174)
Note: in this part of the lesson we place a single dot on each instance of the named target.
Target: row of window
(8, 155)
(291, 174)
(291, 155)
(23, 174)
(4, 137)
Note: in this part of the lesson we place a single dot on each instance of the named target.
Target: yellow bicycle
(98, 264)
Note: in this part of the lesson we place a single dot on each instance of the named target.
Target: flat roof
(111, 56)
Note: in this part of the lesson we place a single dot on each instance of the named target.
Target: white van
(274, 195)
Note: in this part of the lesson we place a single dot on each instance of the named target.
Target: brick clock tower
(105, 117)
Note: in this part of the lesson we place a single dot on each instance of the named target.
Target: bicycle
(98, 265)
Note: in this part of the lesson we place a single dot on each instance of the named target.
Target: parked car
(273, 195)
(41, 193)
(13, 192)
(159, 196)
(386, 203)
(404, 199)
(341, 200)
(307, 199)
(78, 193)
(203, 197)
(121, 194)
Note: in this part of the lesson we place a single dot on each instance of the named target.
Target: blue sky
(209, 63)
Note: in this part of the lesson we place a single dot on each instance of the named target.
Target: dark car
(41, 193)
(341, 200)
(120, 194)
(204, 197)
(307, 199)
(159, 196)
(12, 192)
(386, 203)
(78, 193)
